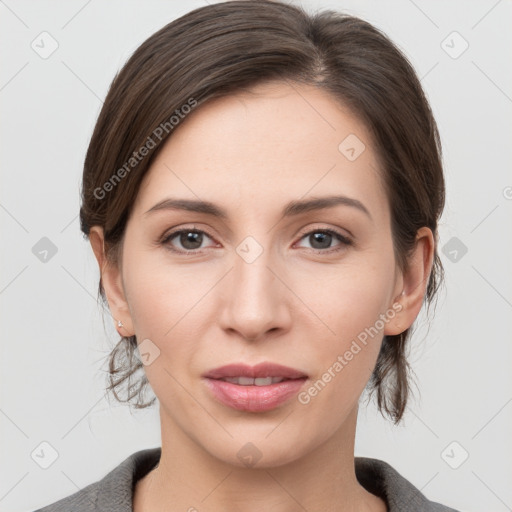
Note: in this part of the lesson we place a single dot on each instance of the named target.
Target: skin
(250, 154)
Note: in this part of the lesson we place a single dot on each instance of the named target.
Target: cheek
(349, 302)
(171, 305)
(345, 361)
(346, 300)
(161, 295)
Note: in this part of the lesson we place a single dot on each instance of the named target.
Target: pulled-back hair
(223, 48)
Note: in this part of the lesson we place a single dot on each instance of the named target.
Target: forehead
(273, 142)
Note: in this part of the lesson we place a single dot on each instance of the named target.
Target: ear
(413, 284)
(111, 278)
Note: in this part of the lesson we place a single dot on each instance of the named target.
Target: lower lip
(254, 398)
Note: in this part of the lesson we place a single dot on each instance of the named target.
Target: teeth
(263, 381)
(249, 381)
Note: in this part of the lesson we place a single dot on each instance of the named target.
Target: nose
(256, 302)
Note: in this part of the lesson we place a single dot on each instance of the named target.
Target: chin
(256, 451)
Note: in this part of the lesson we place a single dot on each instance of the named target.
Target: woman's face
(270, 271)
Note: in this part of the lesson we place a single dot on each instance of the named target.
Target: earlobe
(415, 281)
(111, 279)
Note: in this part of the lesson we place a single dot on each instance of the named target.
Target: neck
(188, 478)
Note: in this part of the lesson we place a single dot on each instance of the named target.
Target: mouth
(249, 381)
(254, 388)
(260, 371)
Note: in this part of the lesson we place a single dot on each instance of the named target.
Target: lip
(260, 370)
(254, 398)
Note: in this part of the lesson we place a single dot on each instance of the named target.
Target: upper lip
(260, 370)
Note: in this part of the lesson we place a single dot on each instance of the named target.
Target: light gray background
(54, 346)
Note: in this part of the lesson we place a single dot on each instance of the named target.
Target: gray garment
(114, 492)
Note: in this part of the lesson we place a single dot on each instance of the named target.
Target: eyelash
(345, 241)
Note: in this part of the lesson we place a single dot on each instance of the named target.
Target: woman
(261, 192)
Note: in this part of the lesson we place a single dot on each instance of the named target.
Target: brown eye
(191, 239)
(186, 240)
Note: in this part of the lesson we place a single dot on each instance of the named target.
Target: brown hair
(222, 48)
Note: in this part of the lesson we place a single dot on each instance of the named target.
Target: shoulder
(380, 478)
(114, 491)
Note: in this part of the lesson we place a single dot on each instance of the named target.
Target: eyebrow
(292, 208)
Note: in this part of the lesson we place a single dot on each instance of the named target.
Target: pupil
(191, 240)
(321, 240)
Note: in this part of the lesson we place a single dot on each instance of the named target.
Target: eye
(322, 239)
(186, 240)
(190, 240)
